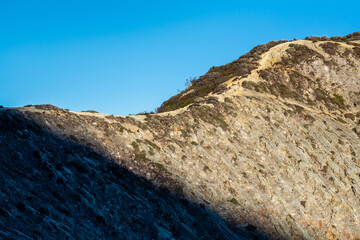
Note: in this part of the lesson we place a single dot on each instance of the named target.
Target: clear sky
(125, 57)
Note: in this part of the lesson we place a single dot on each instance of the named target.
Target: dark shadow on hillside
(53, 188)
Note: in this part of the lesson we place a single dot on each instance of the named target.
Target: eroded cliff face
(274, 149)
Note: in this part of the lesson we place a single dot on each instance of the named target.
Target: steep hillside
(52, 188)
(213, 81)
(269, 142)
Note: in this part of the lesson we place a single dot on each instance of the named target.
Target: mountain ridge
(273, 146)
(212, 81)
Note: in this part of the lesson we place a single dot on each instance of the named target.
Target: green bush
(141, 156)
(73, 138)
(339, 100)
(206, 168)
(159, 165)
(135, 145)
(90, 111)
(234, 201)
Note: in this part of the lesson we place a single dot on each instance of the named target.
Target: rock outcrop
(272, 147)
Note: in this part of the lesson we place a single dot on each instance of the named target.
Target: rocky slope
(269, 142)
(53, 188)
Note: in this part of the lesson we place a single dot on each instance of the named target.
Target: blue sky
(125, 57)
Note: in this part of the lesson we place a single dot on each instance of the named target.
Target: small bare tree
(190, 80)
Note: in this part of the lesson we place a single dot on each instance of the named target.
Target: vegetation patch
(330, 47)
(317, 38)
(141, 156)
(119, 127)
(159, 165)
(339, 100)
(258, 87)
(135, 145)
(298, 53)
(350, 37)
(90, 111)
(171, 147)
(234, 201)
(73, 138)
(47, 107)
(330, 102)
(222, 122)
(207, 169)
(152, 144)
(179, 190)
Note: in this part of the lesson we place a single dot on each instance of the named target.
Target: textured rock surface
(275, 149)
(53, 188)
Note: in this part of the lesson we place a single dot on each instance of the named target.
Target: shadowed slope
(52, 188)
